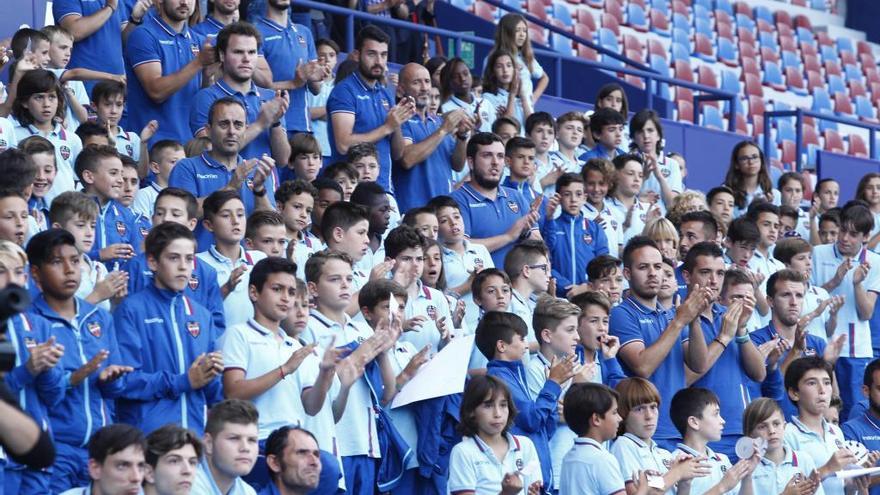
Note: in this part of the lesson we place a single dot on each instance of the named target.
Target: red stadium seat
(750, 66)
(789, 152)
(585, 18)
(753, 85)
(867, 60)
(848, 58)
(809, 135)
(809, 50)
(803, 21)
(706, 76)
(631, 42)
(824, 39)
(756, 106)
(633, 80)
(537, 9)
(833, 141)
(742, 127)
(765, 27)
(703, 47)
(683, 71)
(769, 55)
(655, 48)
(811, 63)
(612, 23)
(685, 94)
(758, 126)
(685, 111)
(485, 11)
(615, 9)
(536, 34)
(583, 31)
(787, 43)
(814, 80)
(681, 8)
(744, 9)
(659, 22)
(783, 17)
(724, 30)
(635, 55)
(722, 17)
(587, 53)
(745, 36)
(857, 146)
(857, 88)
(843, 105)
(747, 50)
(862, 47)
(795, 80)
(832, 68)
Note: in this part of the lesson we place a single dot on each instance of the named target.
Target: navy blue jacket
(573, 241)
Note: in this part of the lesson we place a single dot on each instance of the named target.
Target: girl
(634, 449)
(663, 233)
(610, 96)
(781, 470)
(748, 177)
(662, 175)
(503, 87)
(38, 109)
(433, 276)
(489, 460)
(623, 201)
(456, 91)
(868, 191)
(327, 51)
(512, 35)
(298, 317)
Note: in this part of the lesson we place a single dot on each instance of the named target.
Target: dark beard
(485, 183)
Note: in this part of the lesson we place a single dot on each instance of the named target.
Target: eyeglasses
(544, 266)
(748, 158)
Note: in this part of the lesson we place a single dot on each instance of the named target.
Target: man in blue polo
(238, 46)
(164, 62)
(290, 51)
(494, 216)
(865, 427)
(362, 109)
(430, 152)
(654, 342)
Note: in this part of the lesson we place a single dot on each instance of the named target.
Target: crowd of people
(240, 248)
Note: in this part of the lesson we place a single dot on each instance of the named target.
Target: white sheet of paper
(855, 473)
(443, 375)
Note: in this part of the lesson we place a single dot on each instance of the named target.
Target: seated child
(605, 275)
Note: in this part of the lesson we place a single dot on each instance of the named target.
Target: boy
(108, 98)
(173, 380)
(596, 346)
(41, 152)
(606, 127)
(491, 291)
(626, 208)
(329, 192)
(265, 232)
(172, 455)
(766, 217)
(501, 338)
(424, 220)
(225, 219)
(519, 157)
(569, 135)
(305, 159)
(345, 175)
(295, 201)
(541, 129)
(506, 128)
(428, 319)
(344, 228)
(604, 275)
(365, 159)
(808, 384)
(130, 188)
(92, 134)
(230, 449)
(590, 410)
(374, 200)
(572, 240)
(721, 203)
(825, 197)
(740, 243)
(93, 372)
(14, 223)
(528, 266)
(696, 413)
(598, 175)
(791, 187)
(796, 254)
(76, 96)
(163, 156)
(861, 428)
(829, 227)
(115, 461)
(788, 221)
(117, 238)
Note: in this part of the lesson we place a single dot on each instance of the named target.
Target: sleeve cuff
(182, 385)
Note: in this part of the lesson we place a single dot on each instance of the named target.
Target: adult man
(429, 149)
(238, 45)
(652, 344)
(863, 428)
(294, 462)
(493, 215)
(116, 461)
(290, 51)
(164, 64)
(173, 456)
(361, 110)
(230, 449)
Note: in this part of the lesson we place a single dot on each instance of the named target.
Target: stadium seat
(680, 52)
(611, 23)
(681, 36)
(536, 34)
(485, 11)
(811, 63)
(848, 58)
(784, 30)
(832, 68)
(824, 39)
(656, 48)
(836, 84)
(809, 135)
(863, 47)
(587, 53)
(829, 53)
(561, 44)
(562, 14)
(787, 44)
(795, 81)
(768, 40)
(607, 39)
(537, 9)
(662, 6)
(857, 146)
(634, 81)
(746, 36)
(843, 105)
(769, 55)
(747, 51)
(875, 91)
(660, 66)
(785, 130)
(753, 85)
(683, 71)
(685, 111)
(790, 60)
(814, 80)
(679, 7)
(821, 101)
(872, 74)
(583, 31)
(765, 27)
(631, 42)
(730, 82)
(763, 13)
(845, 44)
(712, 118)
(615, 9)
(803, 21)
(660, 23)
(701, 11)
(833, 141)
(704, 27)
(773, 76)
(742, 125)
(852, 73)
(806, 36)
(635, 55)
(867, 60)
(809, 50)
(723, 30)
(727, 53)
(857, 88)
(783, 17)
(706, 76)
(865, 110)
(724, 6)
(750, 66)
(462, 4)
(789, 152)
(585, 18)
(595, 3)
(636, 18)
(703, 48)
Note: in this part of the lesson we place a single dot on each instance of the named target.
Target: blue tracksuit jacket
(161, 333)
(537, 417)
(202, 287)
(116, 224)
(88, 406)
(573, 241)
(612, 373)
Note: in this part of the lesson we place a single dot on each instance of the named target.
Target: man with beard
(653, 343)
(494, 216)
(238, 46)
(290, 51)
(173, 455)
(231, 449)
(294, 462)
(361, 107)
(164, 62)
(429, 149)
(864, 428)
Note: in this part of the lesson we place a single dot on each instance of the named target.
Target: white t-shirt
(432, 304)
(718, 464)
(237, 306)
(67, 148)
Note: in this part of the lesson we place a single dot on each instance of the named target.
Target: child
(513, 35)
(266, 233)
(791, 189)
(696, 414)
(225, 219)
(663, 232)
(590, 411)
(663, 180)
(42, 154)
(305, 159)
(796, 255)
(298, 318)
(373, 198)
(763, 264)
(668, 286)
(506, 128)
(487, 417)
(424, 220)
(829, 226)
(788, 221)
(295, 201)
(344, 228)
(749, 178)
(826, 194)
(832, 414)
(501, 338)
(163, 156)
(868, 190)
(329, 192)
(327, 51)
(598, 175)
(519, 157)
(108, 98)
(365, 158)
(780, 469)
(721, 204)
(117, 238)
(91, 134)
(606, 127)
(741, 241)
(569, 136)
(149, 325)
(572, 240)
(626, 208)
(528, 265)
(76, 96)
(605, 276)
(130, 188)
(456, 85)
(93, 373)
(541, 129)
(345, 174)
(597, 349)
(491, 292)
(503, 86)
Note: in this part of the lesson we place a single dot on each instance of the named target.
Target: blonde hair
(549, 312)
(661, 229)
(758, 411)
(680, 205)
(10, 252)
(634, 392)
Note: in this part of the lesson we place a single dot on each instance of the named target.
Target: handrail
(799, 115)
(577, 39)
(648, 76)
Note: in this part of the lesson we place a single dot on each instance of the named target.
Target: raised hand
(298, 356)
(415, 323)
(90, 367)
(149, 130)
(264, 167)
(113, 372)
(207, 55)
(861, 272)
(834, 348)
(609, 344)
(44, 356)
(561, 370)
(204, 369)
(380, 270)
(114, 251)
(234, 279)
(511, 484)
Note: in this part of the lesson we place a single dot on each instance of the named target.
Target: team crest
(723, 468)
(65, 151)
(385, 104)
(95, 329)
(614, 224)
(809, 352)
(128, 150)
(667, 463)
(519, 464)
(840, 444)
(514, 206)
(300, 39)
(121, 228)
(478, 264)
(29, 342)
(588, 239)
(666, 172)
(195, 50)
(643, 216)
(144, 231)
(193, 328)
(432, 312)
(193, 283)
(250, 183)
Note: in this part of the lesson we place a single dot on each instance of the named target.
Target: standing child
(305, 159)
(825, 197)
(791, 189)
(365, 158)
(528, 265)
(329, 192)
(541, 129)
(345, 174)
(513, 35)
(598, 175)
(503, 87)
(605, 275)
(265, 232)
(748, 177)
(663, 180)
(570, 128)
(76, 96)
(164, 155)
(626, 208)
(519, 157)
(41, 152)
(327, 51)
(868, 191)
(108, 98)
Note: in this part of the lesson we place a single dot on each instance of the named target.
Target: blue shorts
(360, 474)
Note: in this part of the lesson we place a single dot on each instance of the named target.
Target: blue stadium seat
(765, 14)
(784, 130)
(680, 52)
(659, 65)
(730, 83)
(773, 76)
(680, 21)
(462, 4)
(703, 26)
(768, 40)
(836, 84)
(608, 40)
(845, 44)
(724, 6)
(821, 101)
(681, 36)
(561, 44)
(791, 59)
(635, 17)
(661, 5)
(819, 5)
(711, 118)
(852, 73)
(804, 35)
(727, 52)
(701, 12)
(864, 109)
(745, 21)
(517, 4)
(561, 13)
(829, 53)
(706, 4)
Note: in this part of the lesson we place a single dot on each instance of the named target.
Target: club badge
(121, 228)
(588, 239)
(193, 283)
(432, 312)
(29, 342)
(65, 151)
(478, 264)
(386, 105)
(144, 232)
(95, 329)
(193, 328)
(513, 205)
(128, 150)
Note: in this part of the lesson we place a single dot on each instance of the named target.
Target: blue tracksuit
(116, 224)
(161, 333)
(573, 241)
(202, 287)
(612, 373)
(537, 416)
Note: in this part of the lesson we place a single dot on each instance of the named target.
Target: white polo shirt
(8, 138)
(403, 417)
(474, 467)
(92, 272)
(826, 259)
(256, 350)
(145, 200)
(801, 439)
(305, 248)
(432, 304)
(637, 222)
(457, 268)
(237, 306)
(589, 469)
(524, 308)
(770, 477)
(613, 229)
(671, 172)
(484, 107)
(718, 465)
(634, 454)
(67, 148)
(812, 297)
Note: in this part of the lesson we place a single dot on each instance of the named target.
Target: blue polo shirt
(599, 151)
(485, 218)
(284, 48)
(101, 50)
(155, 41)
(429, 178)
(198, 115)
(370, 106)
(202, 175)
(208, 29)
(631, 321)
(864, 428)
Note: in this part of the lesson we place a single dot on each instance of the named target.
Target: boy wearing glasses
(528, 265)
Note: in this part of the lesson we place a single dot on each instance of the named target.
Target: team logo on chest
(193, 328)
(519, 464)
(478, 264)
(121, 228)
(588, 239)
(128, 150)
(385, 104)
(144, 231)
(194, 49)
(65, 151)
(193, 282)
(3, 144)
(513, 205)
(666, 172)
(29, 342)
(250, 184)
(300, 39)
(432, 312)
(94, 329)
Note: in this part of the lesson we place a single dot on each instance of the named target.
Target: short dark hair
(789, 211)
(343, 167)
(601, 266)
(114, 438)
(500, 121)
(89, 129)
(538, 118)
(858, 216)
(90, 156)
(164, 234)
(108, 89)
(223, 102)
(523, 253)
(342, 214)
(276, 442)
(18, 169)
(800, 366)
(370, 32)
(743, 229)
(240, 28)
(163, 145)
(495, 326)
(192, 204)
(41, 246)
(480, 139)
(267, 266)
(591, 298)
(788, 248)
(604, 117)
(582, 401)
(787, 177)
(480, 279)
(216, 200)
(688, 402)
(634, 244)
(23, 37)
(167, 438)
(322, 183)
(568, 179)
(518, 143)
(821, 184)
(364, 193)
(784, 275)
(402, 238)
(315, 264)
(327, 42)
(476, 390)
(438, 202)
(240, 412)
(291, 188)
(34, 145)
(260, 218)
(706, 248)
(715, 191)
(710, 225)
(758, 207)
(412, 215)
(620, 161)
(378, 291)
(868, 378)
(641, 119)
(360, 150)
(735, 276)
(832, 215)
